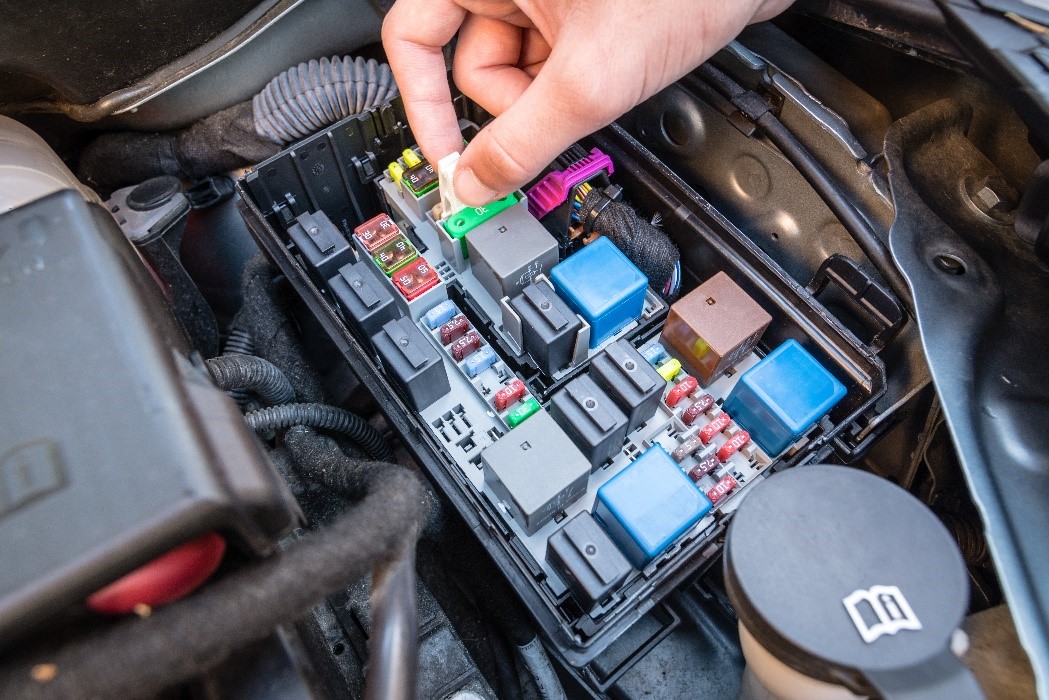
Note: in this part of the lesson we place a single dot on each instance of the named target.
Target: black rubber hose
(255, 374)
(814, 173)
(310, 96)
(322, 417)
(239, 342)
(140, 657)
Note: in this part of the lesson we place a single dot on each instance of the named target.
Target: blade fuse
(454, 329)
(685, 387)
(723, 488)
(701, 406)
(509, 395)
(704, 467)
(465, 346)
(720, 422)
(732, 446)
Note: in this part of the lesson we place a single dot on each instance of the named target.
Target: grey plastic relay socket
(509, 251)
(321, 243)
(591, 419)
(585, 556)
(363, 296)
(536, 471)
(630, 380)
(412, 361)
(549, 328)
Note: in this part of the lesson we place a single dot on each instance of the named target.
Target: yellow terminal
(669, 369)
(396, 172)
(411, 158)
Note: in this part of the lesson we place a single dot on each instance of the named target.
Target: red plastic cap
(163, 580)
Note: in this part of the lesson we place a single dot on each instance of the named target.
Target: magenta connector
(550, 192)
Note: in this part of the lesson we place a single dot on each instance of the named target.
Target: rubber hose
(253, 373)
(310, 96)
(139, 657)
(646, 246)
(322, 417)
(239, 342)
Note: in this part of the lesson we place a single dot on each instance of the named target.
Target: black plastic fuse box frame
(709, 243)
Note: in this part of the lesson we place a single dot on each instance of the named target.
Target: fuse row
(396, 257)
(466, 347)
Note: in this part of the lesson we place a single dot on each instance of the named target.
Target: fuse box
(501, 402)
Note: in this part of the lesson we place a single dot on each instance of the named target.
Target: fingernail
(470, 190)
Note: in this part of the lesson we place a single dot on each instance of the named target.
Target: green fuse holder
(522, 412)
(461, 223)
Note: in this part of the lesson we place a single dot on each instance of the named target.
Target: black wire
(815, 174)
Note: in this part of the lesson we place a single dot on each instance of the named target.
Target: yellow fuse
(669, 369)
(396, 172)
(410, 158)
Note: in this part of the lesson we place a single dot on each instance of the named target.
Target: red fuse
(706, 466)
(415, 278)
(376, 231)
(509, 395)
(714, 427)
(685, 387)
(454, 329)
(465, 346)
(732, 446)
(723, 488)
(701, 406)
(686, 448)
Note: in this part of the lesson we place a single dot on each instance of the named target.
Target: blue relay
(601, 284)
(780, 398)
(648, 505)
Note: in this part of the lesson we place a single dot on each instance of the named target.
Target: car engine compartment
(283, 419)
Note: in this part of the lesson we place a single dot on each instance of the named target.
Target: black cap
(153, 193)
(849, 579)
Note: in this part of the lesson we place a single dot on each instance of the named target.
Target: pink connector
(551, 192)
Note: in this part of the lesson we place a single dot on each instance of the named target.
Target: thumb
(515, 147)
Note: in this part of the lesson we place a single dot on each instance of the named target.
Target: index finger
(413, 34)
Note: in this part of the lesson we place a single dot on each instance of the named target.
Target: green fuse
(522, 412)
(394, 255)
(461, 223)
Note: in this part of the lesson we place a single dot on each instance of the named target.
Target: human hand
(551, 71)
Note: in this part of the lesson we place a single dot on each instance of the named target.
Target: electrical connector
(450, 203)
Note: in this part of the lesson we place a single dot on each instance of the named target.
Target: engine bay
(301, 404)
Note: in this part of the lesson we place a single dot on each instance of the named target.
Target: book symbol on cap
(880, 610)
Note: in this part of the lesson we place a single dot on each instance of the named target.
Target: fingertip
(470, 190)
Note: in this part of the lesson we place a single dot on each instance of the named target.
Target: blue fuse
(440, 314)
(479, 361)
(780, 398)
(648, 505)
(654, 354)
